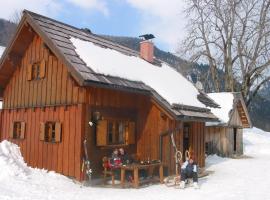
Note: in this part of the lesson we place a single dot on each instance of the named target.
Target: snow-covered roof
(226, 102)
(97, 62)
(165, 80)
(2, 49)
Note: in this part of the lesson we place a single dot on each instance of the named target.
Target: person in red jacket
(115, 161)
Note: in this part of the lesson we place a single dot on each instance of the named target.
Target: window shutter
(42, 69)
(131, 134)
(29, 72)
(22, 130)
(102, 133)
(11, 130)
(57, 132)
(42, 131)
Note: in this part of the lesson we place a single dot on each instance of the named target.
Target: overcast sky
(163, 18)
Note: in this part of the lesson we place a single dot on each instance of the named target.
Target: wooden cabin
(225, 138)
(51, 95)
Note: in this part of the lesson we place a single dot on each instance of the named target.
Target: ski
(87, 162)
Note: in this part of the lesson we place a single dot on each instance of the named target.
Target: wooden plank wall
(58, 87)
(197, 141)
(222, 138)
(236, 119)
(64, 157)
(239, 143)
(213, 134)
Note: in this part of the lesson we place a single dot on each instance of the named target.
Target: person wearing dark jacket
(125, 158)
(189, 169)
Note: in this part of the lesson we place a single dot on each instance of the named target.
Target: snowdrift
(11, 161)
(256, 141)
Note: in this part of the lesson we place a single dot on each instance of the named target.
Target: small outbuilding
(225, 137)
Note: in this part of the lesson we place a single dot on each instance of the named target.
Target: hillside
(6, 31)
(259, 109)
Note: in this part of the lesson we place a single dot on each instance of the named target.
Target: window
(17, 130)
(115, 132)
(36, 70)
(50, 132)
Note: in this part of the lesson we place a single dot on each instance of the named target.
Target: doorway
(186, 138)
(234, 139)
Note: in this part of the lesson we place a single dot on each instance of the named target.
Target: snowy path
(234, 179)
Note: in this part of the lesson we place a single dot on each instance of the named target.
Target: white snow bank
(256, 141)
(11, 161)
(225, 100)
(2, 49)
(170, 84)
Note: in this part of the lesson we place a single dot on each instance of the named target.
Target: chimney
(147, 48)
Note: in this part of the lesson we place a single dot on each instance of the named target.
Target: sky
(164, 19)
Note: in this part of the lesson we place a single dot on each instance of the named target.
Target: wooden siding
(64, 157)
(222, 139)
(58, 87)
(197, 141)
(235, 120)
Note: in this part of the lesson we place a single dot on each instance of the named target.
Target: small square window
(50, 132)
(18, 129)
(36, 71)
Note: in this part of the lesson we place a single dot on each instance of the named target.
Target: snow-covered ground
(239, 179)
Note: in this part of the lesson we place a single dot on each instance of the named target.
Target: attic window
(36, 70)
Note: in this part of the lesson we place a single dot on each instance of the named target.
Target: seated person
(189, 169)
(115, 163)
(125, 158)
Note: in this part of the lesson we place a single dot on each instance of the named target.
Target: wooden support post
(123, 174)
(161, 177)
(136, 177)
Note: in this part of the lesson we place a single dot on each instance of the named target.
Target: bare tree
(232, 36)
(16, 16)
